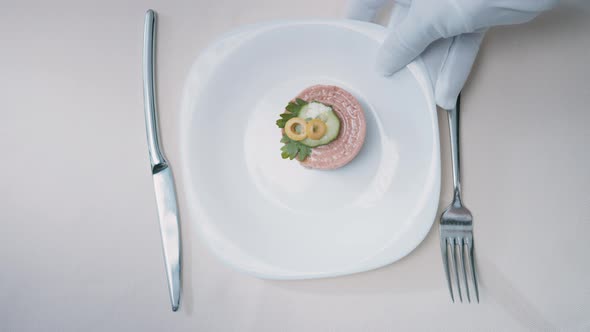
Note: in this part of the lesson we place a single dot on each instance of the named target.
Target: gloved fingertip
(445, 99)
(387, 64)
(456, 67)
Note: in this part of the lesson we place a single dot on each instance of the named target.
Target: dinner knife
(162, 174)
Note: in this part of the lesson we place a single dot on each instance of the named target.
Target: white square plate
(273, 218)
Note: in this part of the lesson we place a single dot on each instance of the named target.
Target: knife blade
(168, 214)
(161, 171)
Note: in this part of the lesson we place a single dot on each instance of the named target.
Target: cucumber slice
(316, 110)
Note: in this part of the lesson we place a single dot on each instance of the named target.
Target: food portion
(323, 128)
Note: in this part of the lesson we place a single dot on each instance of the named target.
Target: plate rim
(418, 70)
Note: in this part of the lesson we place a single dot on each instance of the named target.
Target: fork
(456, 224)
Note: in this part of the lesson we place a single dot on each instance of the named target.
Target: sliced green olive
(315, 129)
(295, 129)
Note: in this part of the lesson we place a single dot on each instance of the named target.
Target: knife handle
(149, 91)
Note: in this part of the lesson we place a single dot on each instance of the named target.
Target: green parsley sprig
(292, 149)
(292, 111)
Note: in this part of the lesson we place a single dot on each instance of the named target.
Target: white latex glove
(447, 33)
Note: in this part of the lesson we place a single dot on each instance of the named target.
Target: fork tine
(470, 246)
(463, 267)
(456, 268)
(445, 257)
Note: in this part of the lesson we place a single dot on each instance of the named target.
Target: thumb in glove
(430, 20)
(448, 61)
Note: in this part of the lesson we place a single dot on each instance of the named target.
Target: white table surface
(80, 246)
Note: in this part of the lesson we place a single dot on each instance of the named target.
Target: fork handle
(453, 116)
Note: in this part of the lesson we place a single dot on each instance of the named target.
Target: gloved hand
(447, 33)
